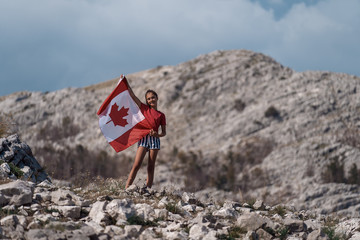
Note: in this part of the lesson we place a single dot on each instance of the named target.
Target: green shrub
(272, 112)
(270, 230)
(330, 232)
(251, 202)
(136, 220)
(234, 232)
(353, 176)
(281, 210)
(351, 137)
(239, 105)
(15, 170)
(283, 232)
(334, 172)
(171, 207)
(7, 212)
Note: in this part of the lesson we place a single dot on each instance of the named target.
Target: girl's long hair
(150, 91)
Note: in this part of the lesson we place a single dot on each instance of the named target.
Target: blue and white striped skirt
(149, 142)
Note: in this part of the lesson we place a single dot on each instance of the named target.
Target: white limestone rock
(17, 193)
(72, 212)
(226, 213)
(120, 209)
(348, 226)
(113, 230)
(253, 221)
(198, 231)
(97, 212)
(132, 231)
(144, 211)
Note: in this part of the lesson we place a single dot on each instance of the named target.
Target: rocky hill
(240, 126)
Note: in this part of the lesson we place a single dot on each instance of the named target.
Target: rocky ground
(54, 211)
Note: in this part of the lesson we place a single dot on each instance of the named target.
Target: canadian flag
(121, 120)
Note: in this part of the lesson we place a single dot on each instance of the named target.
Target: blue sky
(48, 45)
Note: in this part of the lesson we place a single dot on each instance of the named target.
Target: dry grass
(77, 160)
(93, 187)
(5, 124)
(4, 181)
(3, 128)
(351, 137)
(225, 167)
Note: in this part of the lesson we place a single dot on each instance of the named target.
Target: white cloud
(320, 37)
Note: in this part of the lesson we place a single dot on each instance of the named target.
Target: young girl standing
(151, 142)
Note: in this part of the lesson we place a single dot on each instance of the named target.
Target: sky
(46, 45)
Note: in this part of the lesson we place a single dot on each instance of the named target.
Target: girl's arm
(162, 134)
(136, 99)
(163, 131)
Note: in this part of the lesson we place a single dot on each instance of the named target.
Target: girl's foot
(145, 191)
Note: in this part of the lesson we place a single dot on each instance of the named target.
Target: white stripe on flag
(112, 132)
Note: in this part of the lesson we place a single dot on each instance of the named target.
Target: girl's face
(151, 100)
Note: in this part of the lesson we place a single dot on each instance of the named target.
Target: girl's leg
(151, 167)
(140, 154)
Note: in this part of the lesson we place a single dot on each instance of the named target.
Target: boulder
(132, 231)
(19, 154)
(317, 235)
(253, 221)
(72, 212)
(348, 226)
(226, 213)
(294, 225)
(16, 193)
(98, 214)
(198, 231)
(120, 208)
(145, 211)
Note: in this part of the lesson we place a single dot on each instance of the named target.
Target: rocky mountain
(239, 126)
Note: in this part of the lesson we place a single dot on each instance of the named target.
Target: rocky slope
(104, 211)
(237, 121)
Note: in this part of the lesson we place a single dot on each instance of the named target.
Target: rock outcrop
(17, 161)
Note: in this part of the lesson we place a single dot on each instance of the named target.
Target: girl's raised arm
(136, 99)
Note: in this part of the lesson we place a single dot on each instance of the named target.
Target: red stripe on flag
(122, 86)
(130, 137)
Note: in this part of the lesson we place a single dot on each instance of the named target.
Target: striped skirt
(149, 142)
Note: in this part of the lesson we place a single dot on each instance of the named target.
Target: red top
(155, 118)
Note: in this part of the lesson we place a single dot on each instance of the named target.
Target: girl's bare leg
(151, 167)
(140, 154)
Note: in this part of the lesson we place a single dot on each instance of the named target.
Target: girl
(151, 142)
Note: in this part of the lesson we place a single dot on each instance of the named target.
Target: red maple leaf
(117, 116)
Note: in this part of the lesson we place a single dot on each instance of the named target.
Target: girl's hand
(153, 133)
